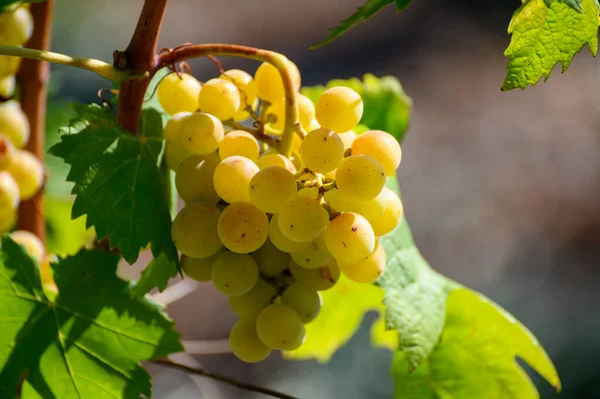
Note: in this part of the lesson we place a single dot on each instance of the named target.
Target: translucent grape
(9, 194)
(360, 177)
(391, 215)
(243, 228)
(234, 274)
(201, 133)
(199, 269)
(320, 279)
(304, 301)
(8, 218)
(7, 86)
(239, 142)
(9, 65)
(269, 85)
(280, 327)
(310, 192)
(348, 138)
(271, 260)
(273, 159)
(313, 125)
(249, 305)
(306, 109)
(15, 27)
(271, 188)
(322, 150)
(281, 241)
(350, 238)
(220, 98)
(245, 343)
(232, 178)
(33, 245)
(28, 172)
(14, 123)
(275, 117)
(369, 269)
(194, 230)
(175, 154)
(313, 256)
(172, 129)
(371, 210)
(381, 146)
(247, 87)
(339, 109)
(178, 93)
(194, 180)
(302, 219)
(7, 152)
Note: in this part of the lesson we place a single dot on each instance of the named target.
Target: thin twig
(211, 347)
(258, 133)
(228, 380)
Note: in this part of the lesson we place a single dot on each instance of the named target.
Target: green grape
(281, 241)
(304, 301)
(350, 238)
(322, 150)
(9, 65)
(381, 146)
(310, 192)
(348, 138)
(371, 210)
(14, 123)
(280, 327)
(313, 256)
(9, 194)
(241, 143)
(245, 343)
(313, 125)
(271, 188)
(306, 109)
(391, 215)
(220, 98)
(271, 260)
(28, 172)
(201, 133)
(360, 177)
(369, 269)
(199, 269)
(16, 27)
(194, 180)
(172, 129)
(234, 274)
(339, 109)
(7, 85)
(249, 305)
(320, 279)
(178, 93)
(33, 245)
(8, 217)
(247, 87)
(7, 152)
(269, 85)
(243, 228)
(194, 230)
(232, 178)
(175, 154)
(273, 159)
(302, 219)
(276, 117)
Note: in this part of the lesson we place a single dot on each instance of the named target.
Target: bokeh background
(501, 189)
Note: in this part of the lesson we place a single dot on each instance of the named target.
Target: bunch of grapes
(272, 231)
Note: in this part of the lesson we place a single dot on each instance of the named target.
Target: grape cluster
(21, 173)
(272, 231)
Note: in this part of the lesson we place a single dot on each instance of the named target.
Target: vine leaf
(544, 35)
(89, 342)
(157, 274)
(476, 356)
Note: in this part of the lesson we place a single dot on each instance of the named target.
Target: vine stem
(292, 120)
(219, 377)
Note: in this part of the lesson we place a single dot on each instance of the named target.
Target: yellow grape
(7, 85)
(249, 305)
(247, 87)
(243, 228)
(175, 154)
(269, 85)
(339, 109)
(234, 274)
(271, 188)
(310, 192)
(9, 193)
(391, 215)
(7, 152)
(320, 279)
(172, 129)
(302, 219)
(360, 177)
(33, 245)
(239, 142)
(304, 301)
(276, 117)
(178, 93)
(194, 230)
(306, 109)
(322, 150)
(381, 146)
(14, 123)
(28, 172)
(46, 272)
(371, 210)
(348, 138)
(314, 256)
(232, 178)
(220, 98)
(271, 260)
(313, 125)
(15, 27)
(201, 133)
(8, 218)
(369, 269)
(281, 241)
(9, 65)
(245, 343)
(273, 159)
(194, 180)
(199, 269)
(350, 238)
(280, 327)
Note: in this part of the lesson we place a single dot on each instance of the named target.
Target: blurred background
(501, 189)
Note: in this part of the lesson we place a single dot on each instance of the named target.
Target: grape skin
(178, 93)
(33, 245)
(199, 269)
(232, 178)
(348, 138)
(7, 86)
(381, 146)
(7, 219)
(219, 97)
(391, 216)
(280, 327)
(239, 142)
(247, 87)
(9, 65)
(322, 150)
(14, 123)
(172, 128)
(243, 228)
(175, 154)
(302, 219)
(234, 274)
(339, 109)
(245, 343)
(369, 269)
(9, 194)
(201, 133)
(320, 279)
(271, 188)
(28, 172)
(371, 210)
(360, 177)
(273, 159)
(350, 238)
(194, 180)
(269, 85)
(281, 241)
(250, 304)
(194, 230)
(304, 301)
(271, 260)
(314, 256)
(16, 27)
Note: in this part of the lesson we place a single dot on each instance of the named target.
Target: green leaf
(476, 357)
(89, 342)
(64, 235)
(387, 106)
(118, 182)
(544, 35)
(157, 274)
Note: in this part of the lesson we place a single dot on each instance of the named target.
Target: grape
(7, 86)
(46, 272)
(239, 142)
(381, 146)
(273, 159)
(220, 98)
(9, 65)
(271, 188)
(302, 219)
(306, 109)
(194, 180)
(313, 256)
(281, 241)
(313, 125)
(269, 84)
(371, 210)
(8, 217)
(303, 300)
(369, 269)
(322, 150)
(348, 138)
(28, 172)
(360, 177)
(232, 178)
(14, 123)
(199, 269)
(175, 154)
(7, 152)
(271, 260)
(339, 109)
(320, 279)
(350, 238)
(245, 343)
(310, 192)
(172, 129)
(201, 133)
(276, 116)
(234, 274)
(280, 327)
(194, 230)
(178, 93)
(249, 305)
(247, 87)
(16, 27)
(33, 245)
(391, 215)
(9, 193)
(243, 228)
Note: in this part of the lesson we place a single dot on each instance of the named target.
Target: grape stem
(258, 133)
(292, 119)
